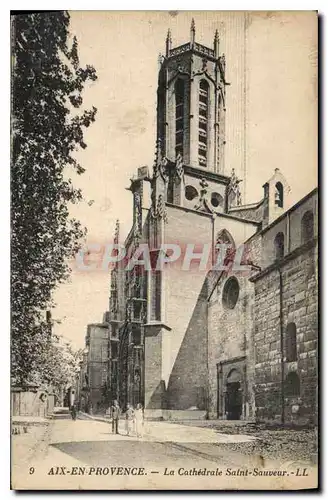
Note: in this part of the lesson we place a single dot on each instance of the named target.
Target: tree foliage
(47, 129)
(59, 364)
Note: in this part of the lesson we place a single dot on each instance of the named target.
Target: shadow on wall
(188, 380)
(158, 398)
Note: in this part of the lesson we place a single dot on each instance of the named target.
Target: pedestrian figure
(73, 412)
(139, 420)
(129, 419)
(115, 415)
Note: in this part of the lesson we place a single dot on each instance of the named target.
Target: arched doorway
(233, 395)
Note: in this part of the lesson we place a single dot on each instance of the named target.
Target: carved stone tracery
(234, 194)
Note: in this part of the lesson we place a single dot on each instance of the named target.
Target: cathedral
(190, 339)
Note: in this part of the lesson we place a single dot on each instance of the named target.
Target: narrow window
(179, 115)
(170, 190)
(114, 348)
(155, 295)
(291, 347)
(203, 122)
(279, 195)
(225, 238)
(218, 128)
(230, 293)
(136, 336)
(307, 227)
(279, 246)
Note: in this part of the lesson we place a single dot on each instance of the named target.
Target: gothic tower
(191, 103)
(191, 124)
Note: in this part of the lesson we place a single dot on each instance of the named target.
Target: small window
(191, 193)
(291, 347)
(216, 200)
(279, 246)
(307, 227)
(292, 384)
(230, 293)
(279, 195)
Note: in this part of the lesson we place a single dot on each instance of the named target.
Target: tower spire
(192, 31)
(168, 42)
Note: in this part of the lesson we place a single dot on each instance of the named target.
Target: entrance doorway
(233, 396)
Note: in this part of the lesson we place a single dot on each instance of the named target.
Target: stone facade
(286, 301)
(94, 372)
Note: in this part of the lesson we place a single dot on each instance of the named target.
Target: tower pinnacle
(216, 43)
(168, 42)
(192, 31)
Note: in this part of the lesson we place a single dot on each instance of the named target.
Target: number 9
(31, 470)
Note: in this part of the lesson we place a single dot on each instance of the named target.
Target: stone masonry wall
(230, 333)
(299, 305)
(98, 364)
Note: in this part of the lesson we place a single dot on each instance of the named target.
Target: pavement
(84, 454)
(164, 431)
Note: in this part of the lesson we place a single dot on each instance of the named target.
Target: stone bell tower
(191, 103)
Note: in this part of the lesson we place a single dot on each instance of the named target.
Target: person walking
(73, 412)
(115, 415)
(129, 419)
(139, 420)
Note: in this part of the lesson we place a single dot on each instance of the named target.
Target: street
(84, 454)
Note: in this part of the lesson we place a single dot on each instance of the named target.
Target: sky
(271, 119)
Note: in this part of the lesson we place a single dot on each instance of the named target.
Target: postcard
(164, 239)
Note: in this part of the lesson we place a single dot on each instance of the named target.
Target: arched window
(279, 195)
(230, 293)
(291, 346)
(292, 384)
(179, 115)
(307, 227)
(228, 251)
(225, 237)
(279, 246)
(203, 122)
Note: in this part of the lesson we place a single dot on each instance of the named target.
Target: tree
(59, 364)
(47, 129)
